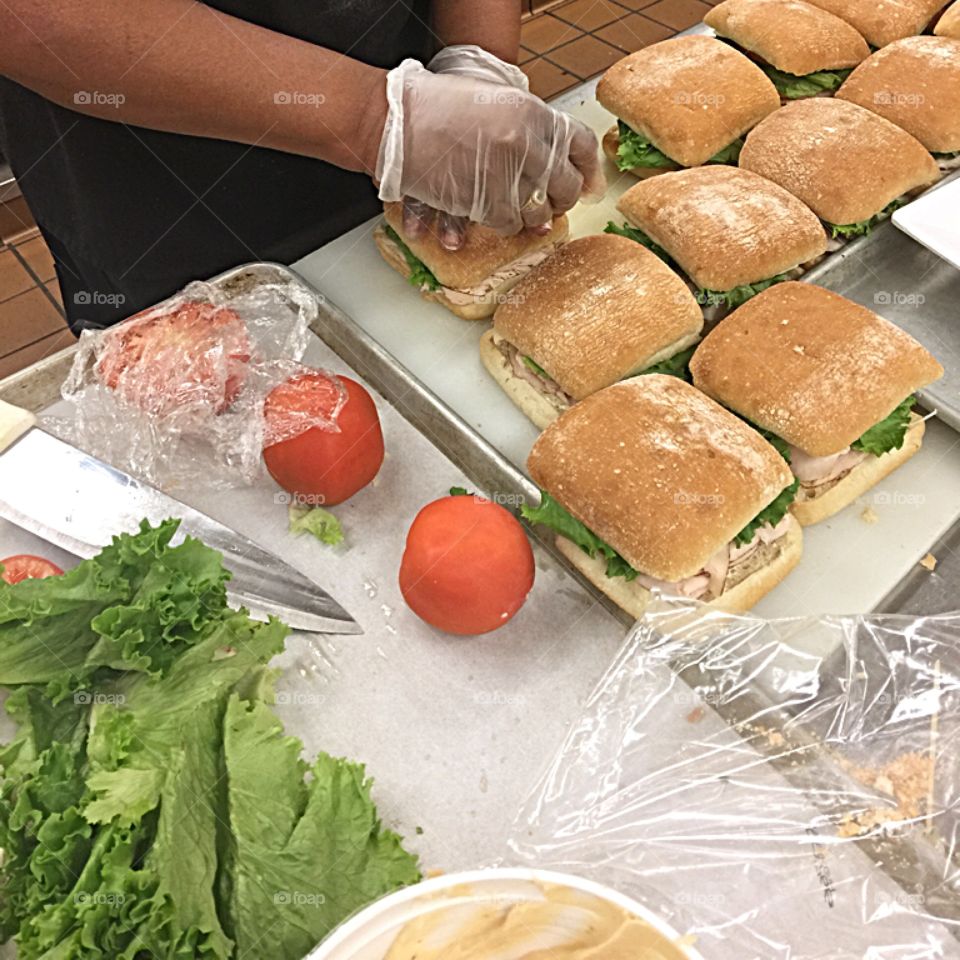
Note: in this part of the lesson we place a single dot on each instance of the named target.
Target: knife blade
(74, 500)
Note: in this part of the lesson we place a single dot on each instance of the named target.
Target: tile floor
(564, 43)
(32, 324)
(567, 42)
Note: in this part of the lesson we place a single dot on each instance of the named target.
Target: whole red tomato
(328, 463)
(194, 355)
(467, 567)
(26, 566)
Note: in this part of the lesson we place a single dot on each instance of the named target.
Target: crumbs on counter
(869, 515)
(929, 562)
(906, 779)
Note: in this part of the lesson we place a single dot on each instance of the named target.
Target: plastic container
(370, 934)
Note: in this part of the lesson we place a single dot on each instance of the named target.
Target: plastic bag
(777, 789)
(175, 395)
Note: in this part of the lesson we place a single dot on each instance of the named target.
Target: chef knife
(78, 502)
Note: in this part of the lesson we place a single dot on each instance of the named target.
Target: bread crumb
(929, 562)
(907, 780)
(869, 515)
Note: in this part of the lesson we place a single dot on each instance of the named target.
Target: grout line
(32, 343)
(42, 284)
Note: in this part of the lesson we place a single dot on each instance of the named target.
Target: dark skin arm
(491, 24)
(181, 66)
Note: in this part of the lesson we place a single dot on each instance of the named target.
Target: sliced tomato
(25, 566)
(194, 355)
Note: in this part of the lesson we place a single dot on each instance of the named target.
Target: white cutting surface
(934, 221)
(849, 565)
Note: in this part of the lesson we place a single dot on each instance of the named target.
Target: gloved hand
(468, 60)
(496, 155)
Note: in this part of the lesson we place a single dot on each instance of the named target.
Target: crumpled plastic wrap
(778, 789)
(175, 395)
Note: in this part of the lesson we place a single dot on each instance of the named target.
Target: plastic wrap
(778, 789)
(176, 394)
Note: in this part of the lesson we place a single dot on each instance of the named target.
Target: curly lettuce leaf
(115, 800)
(316, 521)
(637, 235)
(136, 606)
(635, 150)
(291, 872)
(730, 154)
(676, 366)
(792, 87)
(420, 274)
(739, 295)
(771, 514)
(551, 514)
(848, 231)
(889, 433)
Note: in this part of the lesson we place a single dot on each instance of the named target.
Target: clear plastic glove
(495, 155)
(469, 60)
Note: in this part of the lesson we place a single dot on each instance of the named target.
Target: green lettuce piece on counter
(551, 514)
(848, 231)
(792, 87)
(420, 274)
(889, 433)
(676, 366)
(739, 295)
(286, 863)
(136, 606)
(772, 514)
(636, 234)
(115, 800)
(316, 521)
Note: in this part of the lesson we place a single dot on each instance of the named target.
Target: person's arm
(181, 66)
(491, 24)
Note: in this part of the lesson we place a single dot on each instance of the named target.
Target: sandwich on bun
(471, 281)
(882, 21)
(650, 485)
(731, 232)
(828, 382)
(852, 167)
(599, 310)
(949, 24)
(914, 83)
(804, 50)
(682, 103)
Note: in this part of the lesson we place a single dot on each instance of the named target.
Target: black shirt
(142, 203)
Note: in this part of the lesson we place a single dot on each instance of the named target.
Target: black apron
(133, 214)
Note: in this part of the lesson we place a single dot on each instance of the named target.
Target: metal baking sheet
(511, 694)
